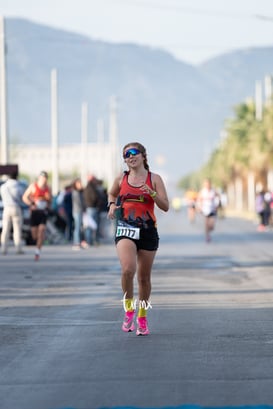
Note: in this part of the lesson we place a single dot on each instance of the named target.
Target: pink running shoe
(142, 326)
(128, 323)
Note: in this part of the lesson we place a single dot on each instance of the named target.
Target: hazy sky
(192, 30)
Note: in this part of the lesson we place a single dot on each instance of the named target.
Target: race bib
(41, 204)
(125, 230)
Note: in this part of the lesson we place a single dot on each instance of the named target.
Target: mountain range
(175, 109)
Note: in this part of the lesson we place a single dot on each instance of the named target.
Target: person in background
(11, 193)
(68, 214)
(263, 208)
(268, 202)
(103, 224)
(207, 202)
(132, 200)
(64, 211)
(78, 207)
(271, 209)
(38, 196)
(91, 200)
(191, 197)
(223, 202)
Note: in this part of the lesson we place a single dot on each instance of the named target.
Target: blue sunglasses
(132, 151)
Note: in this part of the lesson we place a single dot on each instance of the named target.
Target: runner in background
(38, 196)
(207, 202)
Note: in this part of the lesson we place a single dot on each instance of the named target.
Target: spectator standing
(64, 210)
(104, 223)
(11, 192)
(263, 208)
(67, 208)
(77, 212)
(91, 200)
(268, 202)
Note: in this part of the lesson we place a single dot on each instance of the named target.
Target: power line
(191, 10)
(266, 18)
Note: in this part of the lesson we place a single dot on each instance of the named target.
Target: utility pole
(100, 130)
(84, 143)
(54, 132)
(113, 139)
(268, 90)
(258, 101)
(100, 146)
(113, 128)
(3, 96)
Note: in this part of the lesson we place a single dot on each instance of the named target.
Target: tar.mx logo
(136, 303)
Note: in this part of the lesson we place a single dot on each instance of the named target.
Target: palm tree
(247, 147)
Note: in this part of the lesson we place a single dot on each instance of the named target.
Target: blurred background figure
(38, 196)
(91, 200)
(12, 192)
(64, 209)
(208, 201)
(67, 207)
(263, 208)
(221, 210)
(191, 197)
(78, 208)
(104, 223)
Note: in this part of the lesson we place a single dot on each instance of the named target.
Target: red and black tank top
(40, 193)
(137, 207)
(41, 197)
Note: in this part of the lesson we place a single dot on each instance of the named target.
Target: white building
(73, 160)
(65, 162)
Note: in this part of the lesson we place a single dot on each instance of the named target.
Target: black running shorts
(38, 217)
(148, 240)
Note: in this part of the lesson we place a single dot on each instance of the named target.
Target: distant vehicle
(26, 233)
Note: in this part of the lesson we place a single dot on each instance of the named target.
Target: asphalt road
(211, 323)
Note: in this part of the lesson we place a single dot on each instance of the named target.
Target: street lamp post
(3, 96)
